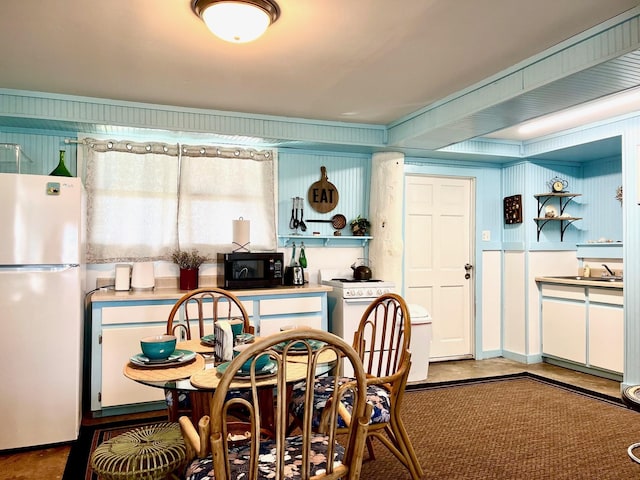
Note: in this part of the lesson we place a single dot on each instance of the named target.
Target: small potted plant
(189, 263)
(360, 226)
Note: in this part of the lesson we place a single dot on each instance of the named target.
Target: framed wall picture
(513, 209)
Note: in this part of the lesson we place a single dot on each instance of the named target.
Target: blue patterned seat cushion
(184, 400)
(377, 396)
(202, 468)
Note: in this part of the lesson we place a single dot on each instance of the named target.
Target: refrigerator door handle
(9, 269)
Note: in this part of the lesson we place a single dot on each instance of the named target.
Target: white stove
(349, 299)
(350, 288)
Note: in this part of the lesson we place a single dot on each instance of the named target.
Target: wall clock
(513, 209)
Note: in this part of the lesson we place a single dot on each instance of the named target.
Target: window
(146, 199)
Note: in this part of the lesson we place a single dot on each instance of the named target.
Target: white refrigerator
(41, 309)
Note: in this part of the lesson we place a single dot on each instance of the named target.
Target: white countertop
(581, 281)
(110, 295)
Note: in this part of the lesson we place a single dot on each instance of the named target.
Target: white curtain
(146, 199)
(215, 190)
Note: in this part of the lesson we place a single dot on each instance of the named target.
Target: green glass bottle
(61, 169)
(303, 257)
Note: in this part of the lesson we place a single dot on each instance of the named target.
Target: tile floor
(49, 463)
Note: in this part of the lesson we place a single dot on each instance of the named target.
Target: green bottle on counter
(61, 170)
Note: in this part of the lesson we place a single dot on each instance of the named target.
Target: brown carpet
(520, 427)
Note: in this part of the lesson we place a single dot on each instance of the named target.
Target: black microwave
(250, 270)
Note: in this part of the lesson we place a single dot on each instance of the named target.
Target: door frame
(474, 324)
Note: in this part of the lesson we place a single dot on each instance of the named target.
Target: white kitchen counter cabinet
(583, 326)
(564, 330)
(120, 319)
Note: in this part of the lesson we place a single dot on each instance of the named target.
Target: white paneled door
(438, 255)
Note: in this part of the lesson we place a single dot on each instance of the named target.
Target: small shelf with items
(551, 216)
(325, 240)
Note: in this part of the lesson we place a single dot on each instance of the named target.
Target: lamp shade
(237, 21)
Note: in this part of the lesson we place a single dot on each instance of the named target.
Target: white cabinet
(564, 330)
(606, 329)
(118, 322)
(583, 325)
(606, 337)
(279, 312)
(116, 333)
(118, 344)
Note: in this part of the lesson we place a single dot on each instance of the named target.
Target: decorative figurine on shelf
(550, 212)
(557, 185)
(360, 226)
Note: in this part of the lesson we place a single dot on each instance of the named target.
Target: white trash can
(420, 344)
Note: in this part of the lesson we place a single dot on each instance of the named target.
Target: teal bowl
(158, 347)
(261, 362)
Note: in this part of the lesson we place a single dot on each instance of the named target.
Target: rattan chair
(294, 355)
(203, 307)
(194, 315)
(382, 342)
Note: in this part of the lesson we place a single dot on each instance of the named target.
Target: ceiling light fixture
(589, 112)
(237, 21)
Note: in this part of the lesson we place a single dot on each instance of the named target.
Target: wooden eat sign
(323, 195)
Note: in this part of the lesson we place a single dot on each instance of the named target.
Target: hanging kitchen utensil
(323, 195)
(303, 226)
(296, 222)
(302, 259)
(292, 220)
(338, 221)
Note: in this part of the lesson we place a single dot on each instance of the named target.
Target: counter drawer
(135, 314)
(283, 306)
(606, 295)
(563, 291)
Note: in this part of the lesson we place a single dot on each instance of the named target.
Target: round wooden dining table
(200, 377)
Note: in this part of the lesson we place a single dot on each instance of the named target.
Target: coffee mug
(237, 326)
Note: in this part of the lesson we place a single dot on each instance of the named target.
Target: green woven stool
(144, 453)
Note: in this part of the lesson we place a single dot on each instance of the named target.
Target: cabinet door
(118, 345)
(564, 330)
(280, 312)
(606, 337)
(273, 325)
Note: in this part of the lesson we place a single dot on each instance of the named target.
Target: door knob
(468, 266)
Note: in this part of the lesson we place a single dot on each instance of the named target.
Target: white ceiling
(364, 61)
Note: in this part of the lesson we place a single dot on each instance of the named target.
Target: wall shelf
(324, 240)
(600, 250)
(563, 201)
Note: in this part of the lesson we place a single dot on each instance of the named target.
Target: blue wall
(597, 180)
(299, 169)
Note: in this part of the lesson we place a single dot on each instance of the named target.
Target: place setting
(160, 360)
(298, 352)
(266, 367)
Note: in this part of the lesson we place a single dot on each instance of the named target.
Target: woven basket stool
(144, 453)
